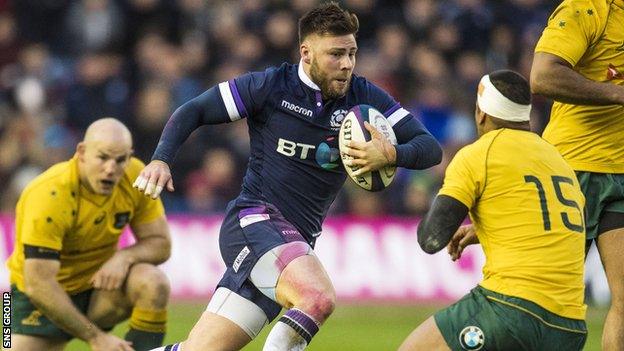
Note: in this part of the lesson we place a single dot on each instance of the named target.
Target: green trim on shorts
(27, 320)
(604, 192)
(486, 320)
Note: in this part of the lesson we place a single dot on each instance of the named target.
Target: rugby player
(579, 63)
(68, 278)
(526, 209)
(267, 238)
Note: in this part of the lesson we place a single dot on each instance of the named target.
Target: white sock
(284, 338)
(293, 332)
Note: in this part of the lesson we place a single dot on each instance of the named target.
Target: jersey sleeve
(246, 95)
(226, 102)
(45, 218)
(572, 28)
(465, 176)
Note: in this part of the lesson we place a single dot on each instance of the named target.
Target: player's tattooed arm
(441, 222)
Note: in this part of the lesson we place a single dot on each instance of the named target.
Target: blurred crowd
(66, 63)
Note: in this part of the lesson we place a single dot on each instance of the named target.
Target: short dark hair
(328, 18)
(512, 85)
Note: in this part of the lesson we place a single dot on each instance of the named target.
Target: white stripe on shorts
(253, 218)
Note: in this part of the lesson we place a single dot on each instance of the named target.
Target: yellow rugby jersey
(526, 206)
(588, 34)
(55, 211)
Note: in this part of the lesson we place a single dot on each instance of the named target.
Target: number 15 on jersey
(557, 182)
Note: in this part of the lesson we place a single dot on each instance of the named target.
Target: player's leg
(604, 222)
(143, 299)
(304, 288)
(229, 323)
(610, 246)
(234, 315)
(426, 336)
(484, 320)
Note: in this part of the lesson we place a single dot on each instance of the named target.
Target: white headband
(495, 104)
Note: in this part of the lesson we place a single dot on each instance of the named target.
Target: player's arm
(44, 291)
(153, 245)
(417, 148)
(554, 77)
(226, 102)
(441, 223)
(153, 242)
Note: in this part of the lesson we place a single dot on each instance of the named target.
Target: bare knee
(148, 286)
(318, 304)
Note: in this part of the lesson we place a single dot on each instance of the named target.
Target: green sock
(144, 340)
(147, 328)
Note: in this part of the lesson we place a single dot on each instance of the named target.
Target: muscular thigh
(256, 244)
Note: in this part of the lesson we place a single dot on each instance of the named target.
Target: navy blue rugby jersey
(294, 162)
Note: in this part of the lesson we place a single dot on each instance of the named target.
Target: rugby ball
(352, 128)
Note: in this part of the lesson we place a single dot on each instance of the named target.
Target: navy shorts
(250, 229)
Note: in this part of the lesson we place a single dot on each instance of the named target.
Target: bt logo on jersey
(290, 148)
(326, 156)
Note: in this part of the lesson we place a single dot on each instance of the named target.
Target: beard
(325, 83)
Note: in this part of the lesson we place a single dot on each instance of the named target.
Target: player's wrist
(91, 334)
(391, 154)
(164, 163)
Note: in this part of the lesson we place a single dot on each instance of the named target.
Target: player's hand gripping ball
(353, 129)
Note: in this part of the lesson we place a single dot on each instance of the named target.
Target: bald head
(108, 131)
(104, 154)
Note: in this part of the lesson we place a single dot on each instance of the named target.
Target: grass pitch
(372, 327)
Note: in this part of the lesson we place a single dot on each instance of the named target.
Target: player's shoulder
(58, 181)
(597, 9)
(285, 70)
(366, 92)
(270, 78)
(482, 144)
(360, 85)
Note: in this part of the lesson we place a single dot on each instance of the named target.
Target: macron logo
(298, 109)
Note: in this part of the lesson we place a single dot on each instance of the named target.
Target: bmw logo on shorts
(471, 338)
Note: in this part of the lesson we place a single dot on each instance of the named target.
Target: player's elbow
(427, 241)
(34, 287)
(164, 250)
(436, 153)
(429, 247)
(430, 152)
